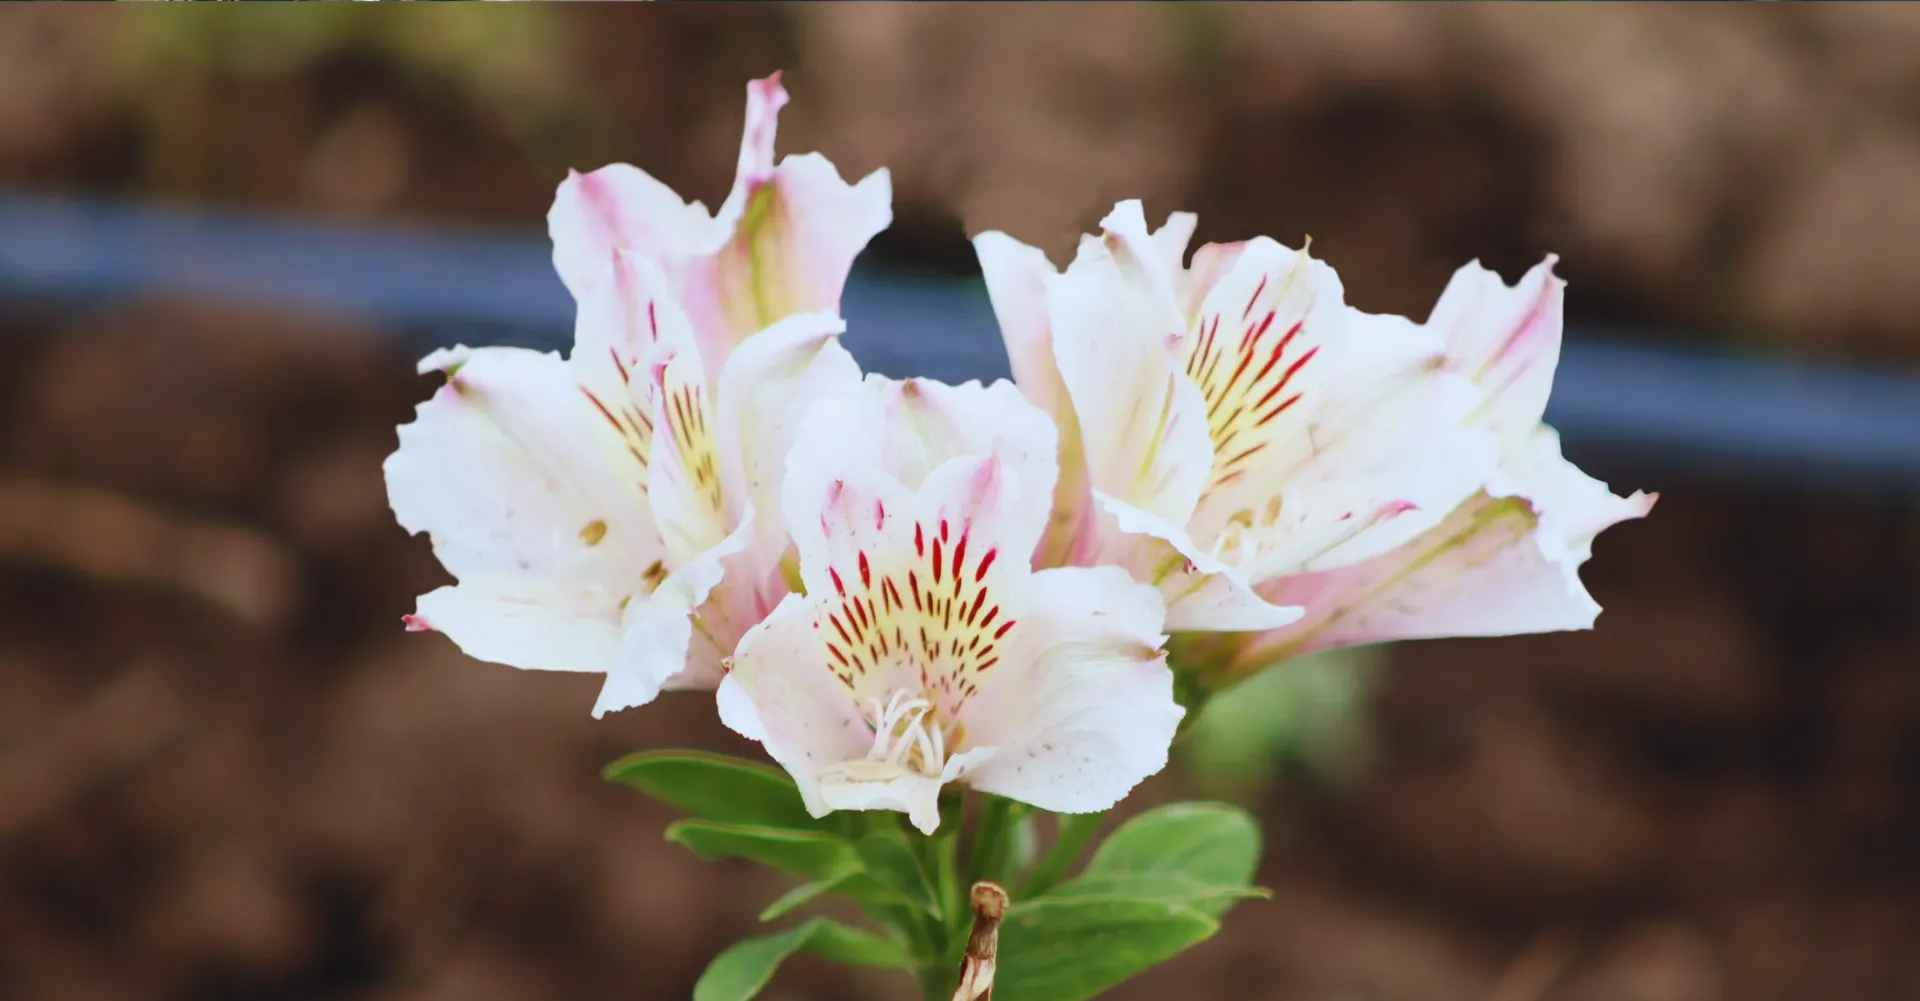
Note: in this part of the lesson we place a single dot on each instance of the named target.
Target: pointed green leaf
(1069, 950)
(805, 893)
(744, 968)
(1205, 844)
(1170, 889)
(718, 787)
(809, 854)
(834, 941)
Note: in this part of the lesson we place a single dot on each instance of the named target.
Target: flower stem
(989, 839)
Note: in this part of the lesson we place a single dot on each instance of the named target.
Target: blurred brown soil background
(225, 773)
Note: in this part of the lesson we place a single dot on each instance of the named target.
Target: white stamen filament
(905, 725)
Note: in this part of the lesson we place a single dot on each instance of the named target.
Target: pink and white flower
(618, 511)
(1507, 560)
(614, 512)
(924, 649)
(781, 244)
(1235, 423)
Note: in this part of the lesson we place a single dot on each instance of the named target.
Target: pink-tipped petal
(1506, 339)
(1504, 563)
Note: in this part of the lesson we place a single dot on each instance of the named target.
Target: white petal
(1117, 336)
(896, 571)
(881, 787)
(1017, 277)
(1210, 263)
(653, 648)
(685, 482)
(527, 621)
(512, 470)
(1506, 339)
(771, 382)
(620, 206)
(1384, 456)
(906, 429)
(1504, 563)
(1082, 709)
(802, 715)
(619, 331)
(1171, 240)
(737, 710)
(1259, 354)
(929, 422)
(657, 631)
(793, 232)
(1201, 591)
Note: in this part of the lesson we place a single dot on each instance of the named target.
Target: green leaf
(1165, 888)
(1073, 833)
(745, 967)
(805, 893)
(1204, 844)
(717, 787)
(809, 854)
(1069, 950)
(892, 864)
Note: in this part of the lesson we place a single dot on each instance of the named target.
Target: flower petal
(794, 230)
(1383, 455)
(621, 207)
(512, 469)
(771, 382)
(1083, 709)
(899, 573)
(781, 693)
(1210, 264)
(1504, 563)
(1506, 339)
(1117, 336)
(1170, 242)
(1254, 354)
(527, 621)
(685, 482)
(1200, 591)
(782, 243)
(909, 428)
(1017, 277)
(658, 649)
(928, 422)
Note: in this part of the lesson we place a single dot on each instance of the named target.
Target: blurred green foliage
(1303, 719)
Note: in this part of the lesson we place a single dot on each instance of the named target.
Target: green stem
(1076, 829)
(989, 839)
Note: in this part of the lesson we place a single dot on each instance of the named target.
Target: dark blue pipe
(1750, 417)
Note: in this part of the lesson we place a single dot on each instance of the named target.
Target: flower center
(1240, 539)
(907, 737)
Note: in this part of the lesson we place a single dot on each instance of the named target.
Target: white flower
(1236, 422)
(1507, 560)
(588, 507)
(925, 650)
(618, 511)
(781, 244)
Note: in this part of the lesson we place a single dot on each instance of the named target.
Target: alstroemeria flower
(589, 506)
(781, 244)
(1236, 422)
(1505, 562)
(925, 649)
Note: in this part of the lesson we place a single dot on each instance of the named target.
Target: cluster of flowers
(894, 585)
